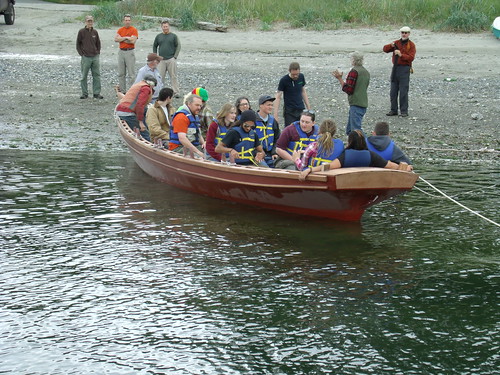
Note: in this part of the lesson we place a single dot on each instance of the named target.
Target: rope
(460, 204)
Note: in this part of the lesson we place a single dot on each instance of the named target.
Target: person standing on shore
(168, 46)
(403, 53)
(292, 88)
(88, 46)
(151, 68)
(356, 87)
(126, 36)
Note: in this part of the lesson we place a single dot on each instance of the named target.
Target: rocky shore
(454, 93)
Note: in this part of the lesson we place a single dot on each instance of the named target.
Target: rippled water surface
(106, 271)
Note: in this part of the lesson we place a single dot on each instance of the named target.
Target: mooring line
(460, 204)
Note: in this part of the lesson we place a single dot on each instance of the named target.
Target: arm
(283, 154)
(155, 44)
(142, 100)
(259, 156)
(79, 43)
(177, 46)
(306, 98)
(277, 133)
(210, 143)
(188, 145)
(320, 168)
(310, 152)
(277, 102)
(349, 84)
(98, 43)
(221, 148)
(407, 55)
(389, 47)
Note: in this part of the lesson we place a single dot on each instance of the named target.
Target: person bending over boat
(218, 129)
(381, 143)
(185, 135)
(158, 116)
(242, 143)
(295, 138)
(132, 104)
(356, 154)
(325, 150)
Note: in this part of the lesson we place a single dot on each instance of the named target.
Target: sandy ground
(454, 93)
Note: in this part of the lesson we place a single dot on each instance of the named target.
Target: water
(106, 271)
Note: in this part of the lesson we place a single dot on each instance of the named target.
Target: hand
(275, 156)
(397, 52)
(337, 74)
(142, 126)
(260, 156)
(296, 155)
(304, 174)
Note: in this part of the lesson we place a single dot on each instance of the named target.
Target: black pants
(400, 84)
(291, 114)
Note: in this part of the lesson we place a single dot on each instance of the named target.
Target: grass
(443, 15)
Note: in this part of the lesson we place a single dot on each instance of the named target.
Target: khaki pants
(170, 66)
(91, 64)
(126, 64)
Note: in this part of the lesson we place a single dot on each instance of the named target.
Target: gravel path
(454, 93)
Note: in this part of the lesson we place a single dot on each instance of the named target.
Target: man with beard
(403, 53)
(292, 88)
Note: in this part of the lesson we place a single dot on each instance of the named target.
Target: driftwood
(209, 26)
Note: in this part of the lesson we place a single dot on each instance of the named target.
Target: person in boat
(242, 104)
(242, 143)
(132, 104)
(185, 134)
(295, 138)
(356, 154)
(218, 129)
(206, 114)
(380, 142)
(158, 116)
(325, 150)
(267, 128)
(356, 88)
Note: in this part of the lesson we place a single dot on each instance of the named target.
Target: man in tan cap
(88, 46)
(403, 53)
(151, 68)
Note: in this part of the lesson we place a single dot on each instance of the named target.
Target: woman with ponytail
(324, 150)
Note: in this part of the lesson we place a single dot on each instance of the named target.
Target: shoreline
(455, 81)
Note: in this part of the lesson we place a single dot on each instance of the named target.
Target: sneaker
(98, 96)
(84, 97)
(391, 113)
(404, 114)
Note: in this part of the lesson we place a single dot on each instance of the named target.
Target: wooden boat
(342, 194)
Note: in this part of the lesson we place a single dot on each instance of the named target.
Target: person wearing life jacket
(403, 53)
(185, 135)
(242, 143)
(381, 143)
(132, 104)
(356, 154)
(218, 129)
(267, 128)
(295, 138)
(325, 150)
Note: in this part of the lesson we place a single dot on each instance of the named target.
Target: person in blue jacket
(381, 143)
(356, 154)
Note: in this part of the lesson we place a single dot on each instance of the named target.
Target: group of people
(237, 134)
(166, 48)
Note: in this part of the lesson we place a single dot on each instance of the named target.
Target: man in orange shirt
(185, 135)
(126, 36)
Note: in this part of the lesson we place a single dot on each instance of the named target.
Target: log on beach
(209, 26)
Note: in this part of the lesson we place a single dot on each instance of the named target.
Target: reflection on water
(105, 270)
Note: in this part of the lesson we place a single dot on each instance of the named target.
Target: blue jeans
(133, 123)
(355, 119)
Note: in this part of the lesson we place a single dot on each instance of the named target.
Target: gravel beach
(454, 93)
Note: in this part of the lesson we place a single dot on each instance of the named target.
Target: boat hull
(342, 194)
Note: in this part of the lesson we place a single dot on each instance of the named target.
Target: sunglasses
(312, 112)
(405, 32)
(245, 125)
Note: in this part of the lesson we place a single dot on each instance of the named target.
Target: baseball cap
(201, 92)
(154, 56)
(248, 115)
(266, 98)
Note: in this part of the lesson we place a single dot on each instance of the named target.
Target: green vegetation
(439, 15)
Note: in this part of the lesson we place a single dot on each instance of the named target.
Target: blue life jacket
(357, 158)
(246, 146)
(304, 139)
(386, 154)
(265, 133)
(193, 133)
(221, 132)
(323, 157)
